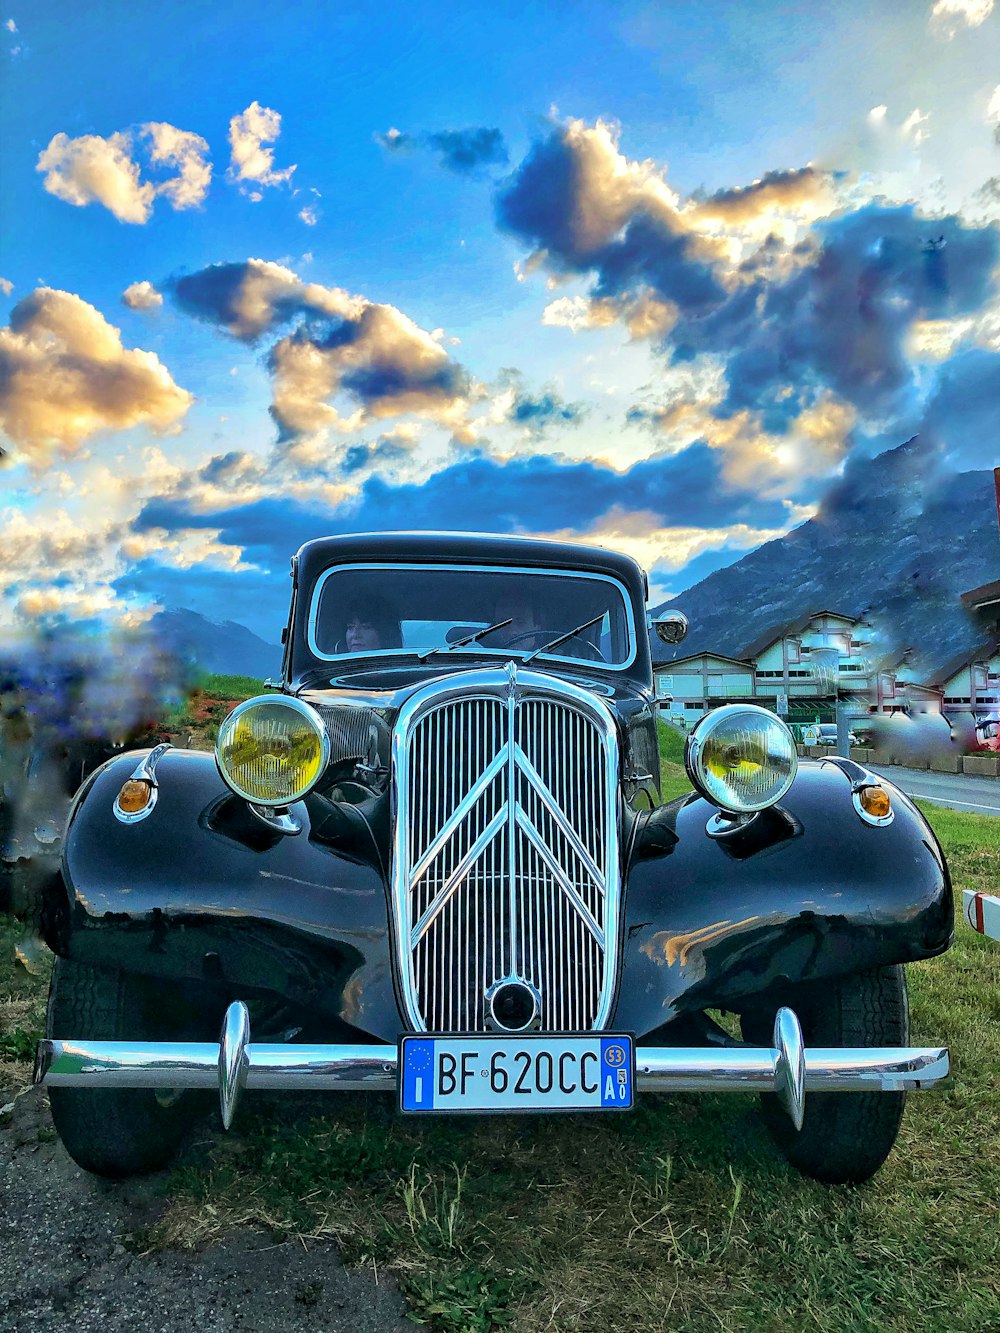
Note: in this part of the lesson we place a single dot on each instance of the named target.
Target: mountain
(215, 646)
(897, 541)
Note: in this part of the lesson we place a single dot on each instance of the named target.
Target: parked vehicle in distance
(825, 733)
(432, 861)
(988, 734)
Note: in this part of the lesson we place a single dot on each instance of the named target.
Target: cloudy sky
(640, 274)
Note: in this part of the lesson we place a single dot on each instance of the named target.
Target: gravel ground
(69, 1258)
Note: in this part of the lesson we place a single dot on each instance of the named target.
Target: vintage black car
(432, 861)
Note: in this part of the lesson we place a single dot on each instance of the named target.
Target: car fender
(201, 888)
(809, 890)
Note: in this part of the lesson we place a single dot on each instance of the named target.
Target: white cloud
(266, 291)
(141, 296)
(640, 534)
(309, 216)
(814, 446)
(878, 114)
(912, 127)
(993, 111)
(389, 365)
(6, 286)
(66, 375)
(644, 314)
(90, 169)
(95, 170)
(949, 16)
(251, 161)
(10, 25)
(186, 151)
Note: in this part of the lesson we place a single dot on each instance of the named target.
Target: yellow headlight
(741, 757)
(273, 749)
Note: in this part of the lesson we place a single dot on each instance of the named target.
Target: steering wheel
(541, 637)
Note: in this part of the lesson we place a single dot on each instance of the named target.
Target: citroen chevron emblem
(503, 771)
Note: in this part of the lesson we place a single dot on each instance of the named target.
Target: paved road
(977, 795)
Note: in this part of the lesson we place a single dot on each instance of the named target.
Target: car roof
(467, 548)
(461, 548)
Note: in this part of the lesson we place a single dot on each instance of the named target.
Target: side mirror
(671, 626)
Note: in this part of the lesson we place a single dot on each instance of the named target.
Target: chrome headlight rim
(305, 711)
(706, 728)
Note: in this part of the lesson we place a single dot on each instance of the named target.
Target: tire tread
(846, 1136)
(109, 1132)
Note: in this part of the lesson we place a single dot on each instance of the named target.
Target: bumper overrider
(787, 1068)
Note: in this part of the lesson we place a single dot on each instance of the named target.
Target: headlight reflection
(741, 757)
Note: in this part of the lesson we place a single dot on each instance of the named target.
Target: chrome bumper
(788, 1068)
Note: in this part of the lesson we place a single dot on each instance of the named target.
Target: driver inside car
(370, 626)
(524, 630)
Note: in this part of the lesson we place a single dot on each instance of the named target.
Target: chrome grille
(350, 730)
(506, 850)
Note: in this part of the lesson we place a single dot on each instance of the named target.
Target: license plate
(544, 1073)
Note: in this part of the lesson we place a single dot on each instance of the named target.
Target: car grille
(506, 850)
(350, 729)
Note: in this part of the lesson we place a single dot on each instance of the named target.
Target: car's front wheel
(845, 1136)
(118, 1132)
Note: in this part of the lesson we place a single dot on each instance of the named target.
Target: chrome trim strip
(455, 878)
(476, 569)
(146, 768)
(490, 845)
(70, 1063)
(565, 828)
(481, 785)
(558, 874)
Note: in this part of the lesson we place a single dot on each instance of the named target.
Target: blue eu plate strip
(418, 1075)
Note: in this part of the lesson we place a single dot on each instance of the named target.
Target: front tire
(845, 1136)
(118, 1132)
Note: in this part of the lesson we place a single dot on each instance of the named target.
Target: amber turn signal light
(134, 796)
(875, 802)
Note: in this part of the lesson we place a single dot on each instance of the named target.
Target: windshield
(438, 611)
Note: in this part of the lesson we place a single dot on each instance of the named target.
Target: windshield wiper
(570, 634)
(469, 638)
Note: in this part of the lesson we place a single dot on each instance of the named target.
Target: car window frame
(477, 649)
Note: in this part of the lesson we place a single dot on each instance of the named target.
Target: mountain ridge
(896, 541)
(218, 646)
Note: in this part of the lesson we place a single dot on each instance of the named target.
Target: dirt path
(70, 1256)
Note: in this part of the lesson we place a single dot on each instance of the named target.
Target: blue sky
(641, 274)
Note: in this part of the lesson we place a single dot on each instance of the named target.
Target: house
(818, 656)
(811, 662)
(971, 681)
(897, 690)
(703, 681)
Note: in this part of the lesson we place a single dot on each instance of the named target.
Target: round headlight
(273, 749)
(741, 757)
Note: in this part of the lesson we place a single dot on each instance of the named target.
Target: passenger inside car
(370, 626)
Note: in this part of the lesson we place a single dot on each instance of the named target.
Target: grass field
(680, 1216)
